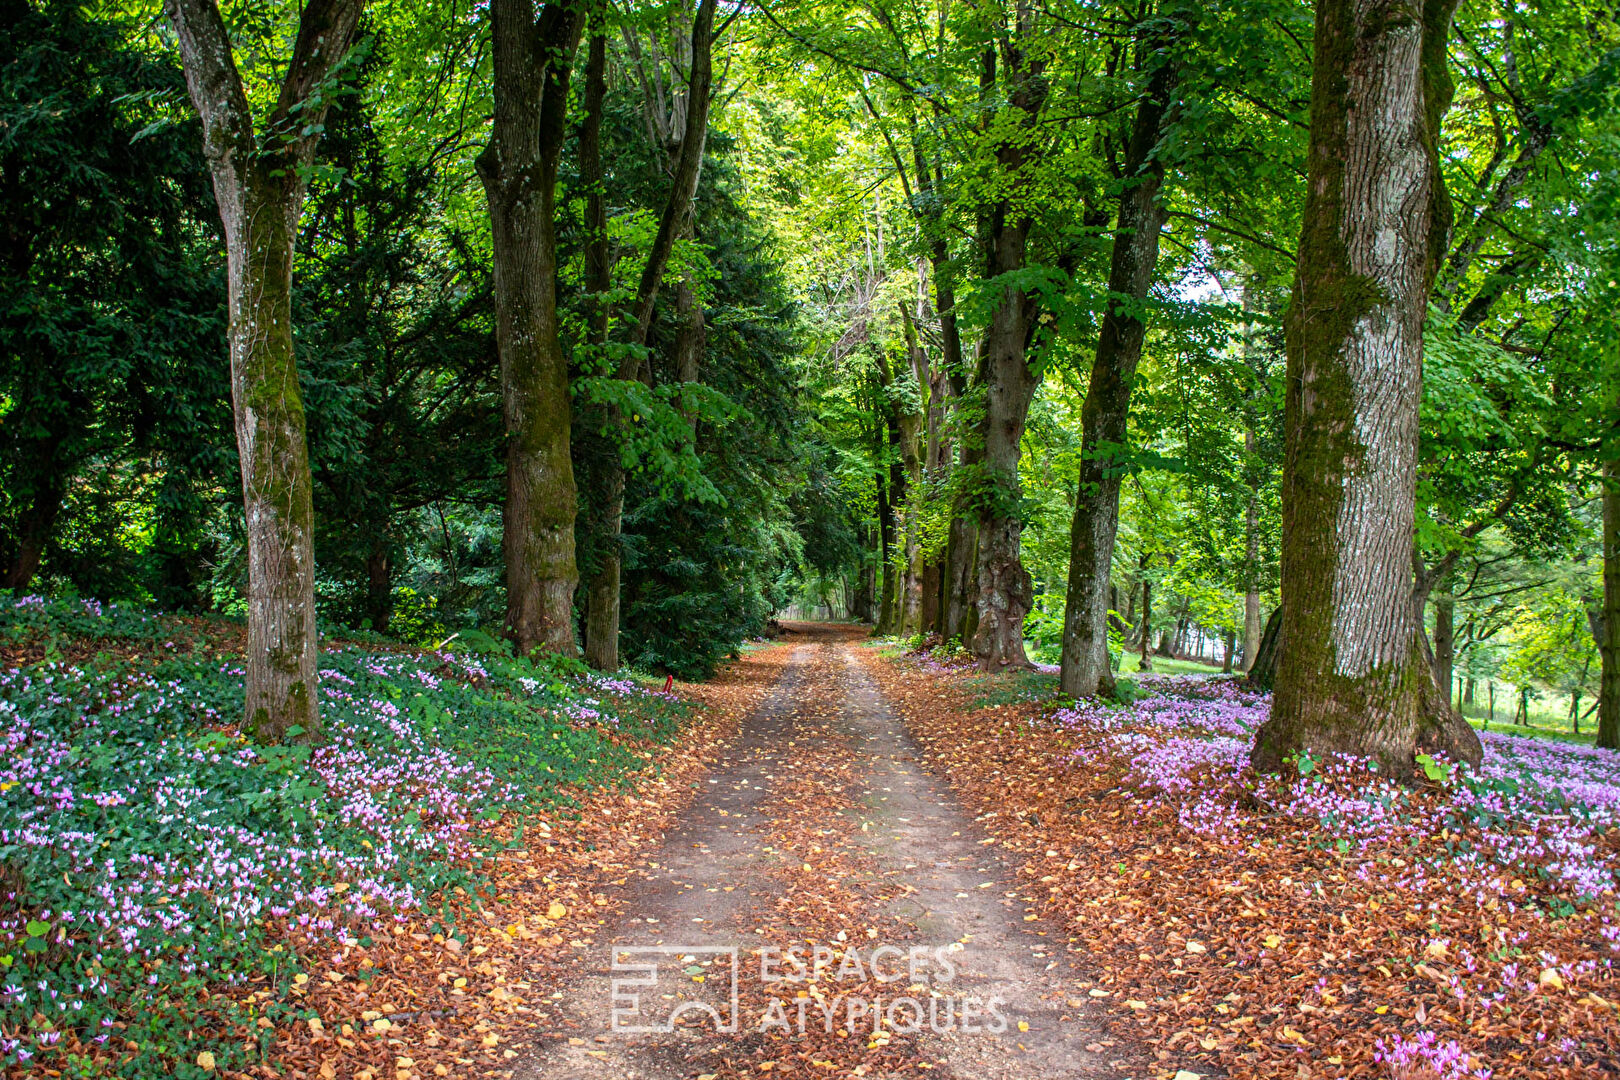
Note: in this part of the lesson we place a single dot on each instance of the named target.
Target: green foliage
(150, 855)
(112, 373)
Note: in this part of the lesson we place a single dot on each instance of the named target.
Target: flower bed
(150, 854)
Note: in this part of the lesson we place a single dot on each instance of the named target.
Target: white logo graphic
(640, 964)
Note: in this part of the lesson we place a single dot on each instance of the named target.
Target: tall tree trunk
(34, 529)
(1608, 733)
(379, 588)
(602, 585)
(1005, 592)
(913, 423)
(1085, 669)
(259, 188)
(1251, 556)
(1146, 661)
(961, 585)
(1263, 672)
(533, 59)
(1353, 678)
(602, 631)
(691, 338)
(935, 384)
(886, 535)
(959, 563)
(1445, 638)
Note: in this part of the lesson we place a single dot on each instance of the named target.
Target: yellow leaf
(315, 1024)
(1023, 1025)
(205, 1061)
(1381, 1010)
(556, 911)
(1132, 1003)
(1272, 941)
(1551, 978)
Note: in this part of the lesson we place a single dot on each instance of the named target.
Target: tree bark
(259, 188)
(379, 588)
(1263, 672)
(1005, 591)
(533, 60)
(1085, 671)
(958, 568)
(602, 630)
(1353, 677)
(1608, 733)
(1251, 556)
(1445, 640)
(37, 522)
(1145, 664)
(914, 424)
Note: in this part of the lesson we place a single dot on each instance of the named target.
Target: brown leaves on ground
(1265, 961)
(419, 1004)
(824, 890)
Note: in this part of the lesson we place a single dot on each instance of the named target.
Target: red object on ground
(669, 681)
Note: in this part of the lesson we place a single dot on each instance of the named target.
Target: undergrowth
(151, 857)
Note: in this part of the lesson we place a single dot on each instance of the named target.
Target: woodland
(398, 396)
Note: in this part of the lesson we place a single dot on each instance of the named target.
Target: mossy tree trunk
(533, 59)
(259, 188)
(957, 585)
(911, 408)
(1085, 669)
(1353, 677)
(1608, 733)
(1004, 589)
(603, 613)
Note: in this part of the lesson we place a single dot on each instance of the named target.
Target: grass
(1168, 666)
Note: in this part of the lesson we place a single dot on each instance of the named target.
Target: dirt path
(824, 831)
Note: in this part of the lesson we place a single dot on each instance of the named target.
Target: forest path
(823, 829)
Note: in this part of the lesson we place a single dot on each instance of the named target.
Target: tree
(1608, 733)
(686, 154)
(110, 314)
(1353, 676)
(1085, 668)
(1014, 64)
(259, 182)
(533, 57)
